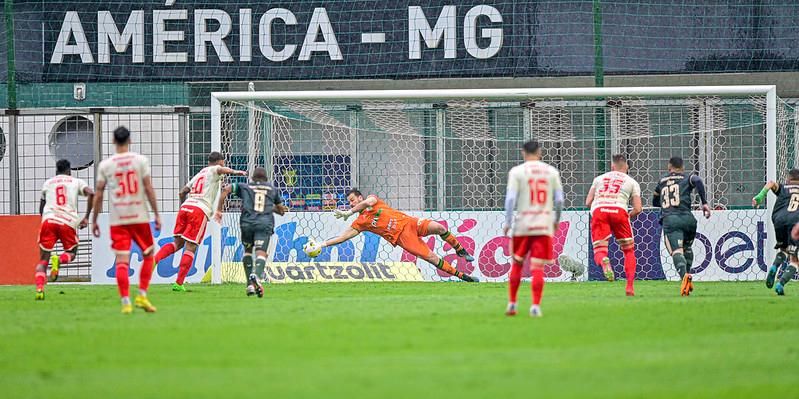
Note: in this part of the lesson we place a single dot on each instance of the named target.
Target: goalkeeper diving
(375, 216)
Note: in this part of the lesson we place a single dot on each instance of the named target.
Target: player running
(259, 201)
(608, 198)
(397, 228)
(127, 175)
(673, 195)
(202, 191)
(536, 193)
(785, 217)
(60, 221)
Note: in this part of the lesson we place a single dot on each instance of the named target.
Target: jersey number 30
(128, 183)
(538, 191)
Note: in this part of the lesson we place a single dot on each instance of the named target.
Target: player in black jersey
(260, 200)
(673, 195)
(784, 217)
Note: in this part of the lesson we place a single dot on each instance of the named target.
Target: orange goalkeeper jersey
(382, 220)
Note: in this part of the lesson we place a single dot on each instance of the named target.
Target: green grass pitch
(410, 340)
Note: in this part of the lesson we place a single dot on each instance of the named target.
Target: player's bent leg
(169, 249)
(787, 275)
(185, 265)
(426, 227)
(602, 260)
(779, 259)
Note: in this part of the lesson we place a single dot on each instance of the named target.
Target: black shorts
(679, 231)
(254, 236)
(782, 233)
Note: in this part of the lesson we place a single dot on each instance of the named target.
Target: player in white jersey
(127, 176)
(202, 192)
(60, 221)
(536, 194)
(608, 198)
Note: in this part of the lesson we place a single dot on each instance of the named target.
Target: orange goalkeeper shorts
(410, 239)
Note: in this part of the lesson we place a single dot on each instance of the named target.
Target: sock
(122, 280)
(41, 279)
(260, 264)
(787, 274)
(147, 266)
(515, 279)
(247, 260)
(125, 300)
(679, 263)
(452, 241)
(689, 259)
(185, 265)
(600, 252)
(65, 258)
(445, 266)
(779, 259)
(165, 251)
(537, 285)
(629, 266)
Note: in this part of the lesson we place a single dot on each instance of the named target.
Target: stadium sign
(211, 29)
(725, 249)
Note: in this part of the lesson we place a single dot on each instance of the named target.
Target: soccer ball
(312, 248)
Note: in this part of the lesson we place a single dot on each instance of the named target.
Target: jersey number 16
(538, 191)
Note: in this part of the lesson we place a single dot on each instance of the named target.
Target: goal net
(445, 155)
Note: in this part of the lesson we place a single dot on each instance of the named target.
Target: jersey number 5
(538, 191)
(128, 183)
(671, 196)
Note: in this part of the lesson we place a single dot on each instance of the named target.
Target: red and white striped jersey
(535, 184)
(204, 188)
(614, 189)
(60, 194)
(124, 176)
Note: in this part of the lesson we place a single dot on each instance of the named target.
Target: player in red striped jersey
(127, 176)
(536, 193)
(60, 221)
(198, 198)
(608, 198)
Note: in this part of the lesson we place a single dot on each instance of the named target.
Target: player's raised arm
(224, 170)
(369, 201)
(348, 234)
(761, 196)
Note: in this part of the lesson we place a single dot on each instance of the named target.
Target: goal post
(445, 154)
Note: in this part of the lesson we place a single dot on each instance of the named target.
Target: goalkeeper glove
(339, 214)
